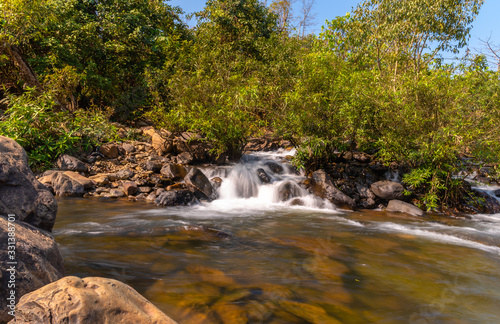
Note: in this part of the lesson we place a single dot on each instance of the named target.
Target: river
(248, 258)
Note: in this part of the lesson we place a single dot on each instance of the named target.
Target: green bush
(45, 133)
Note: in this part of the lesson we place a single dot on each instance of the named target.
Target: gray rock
(368, 203)
(288, 190)
(87, 301)
(65, 186)
(365, 192)
(69, 163)
(388, 190)
(196, 179)
(323, 186)
(263, 176)
(403, 207)
(39, 262)
(175, 198)
(20, 193)
(275, 167)
(174, 171)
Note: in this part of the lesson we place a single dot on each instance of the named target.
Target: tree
(306, 17)
(284, 11)
(397, 35)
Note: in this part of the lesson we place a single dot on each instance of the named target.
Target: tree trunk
(27, 74)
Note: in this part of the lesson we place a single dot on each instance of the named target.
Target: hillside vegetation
(373, 81)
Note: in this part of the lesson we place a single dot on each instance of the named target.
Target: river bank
(163, 167)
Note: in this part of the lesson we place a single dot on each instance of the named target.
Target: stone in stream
(87, 301)
(39, 262)
(69, 163)
(288, 190)
(21, 193)
(216, 182)
(275, 167)
(403, 207)
(263, 176)
(323, 186)
(175, 198)
(497, 193)
(196, 179)
(388, 190)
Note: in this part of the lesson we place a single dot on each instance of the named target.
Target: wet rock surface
(403, 207)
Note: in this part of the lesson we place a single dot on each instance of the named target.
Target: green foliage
(45, 134)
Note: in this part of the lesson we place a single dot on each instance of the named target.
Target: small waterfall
(263, 180)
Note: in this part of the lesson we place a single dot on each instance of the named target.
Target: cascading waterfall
(262, 180)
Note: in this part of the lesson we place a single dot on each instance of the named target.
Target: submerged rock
(403, 207)
(39, 262)
(388, 190)
(88, 301)
(20, 193)
(323, 186)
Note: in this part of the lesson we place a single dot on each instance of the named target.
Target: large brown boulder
(322, 185)
(197, 180)
(20, 193)
(399, 206)
(39, 262)
(388, 190)
(174, 171)
(66, 186)
(88, 301)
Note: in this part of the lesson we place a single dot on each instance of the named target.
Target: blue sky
(487, 22)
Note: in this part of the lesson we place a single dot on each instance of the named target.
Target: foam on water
(438, 237)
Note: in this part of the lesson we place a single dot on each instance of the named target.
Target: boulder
(20, 193)
(365, 192)
(323, 186)
(88, 301)
(174, 171)
(196, 179)
(109, 150)
(288, 190)
(216, 182)
(368, 203)
(129, 188)
(274, 167)
(175, 198)
(263, 176)
(39, 261)
(65, 186)
(161, 143)
(399, 206)
(69, 163)
(388, 190)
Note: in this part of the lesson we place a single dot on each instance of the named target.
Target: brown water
(278, 264)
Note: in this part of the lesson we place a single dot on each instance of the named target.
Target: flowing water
(249, 257)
